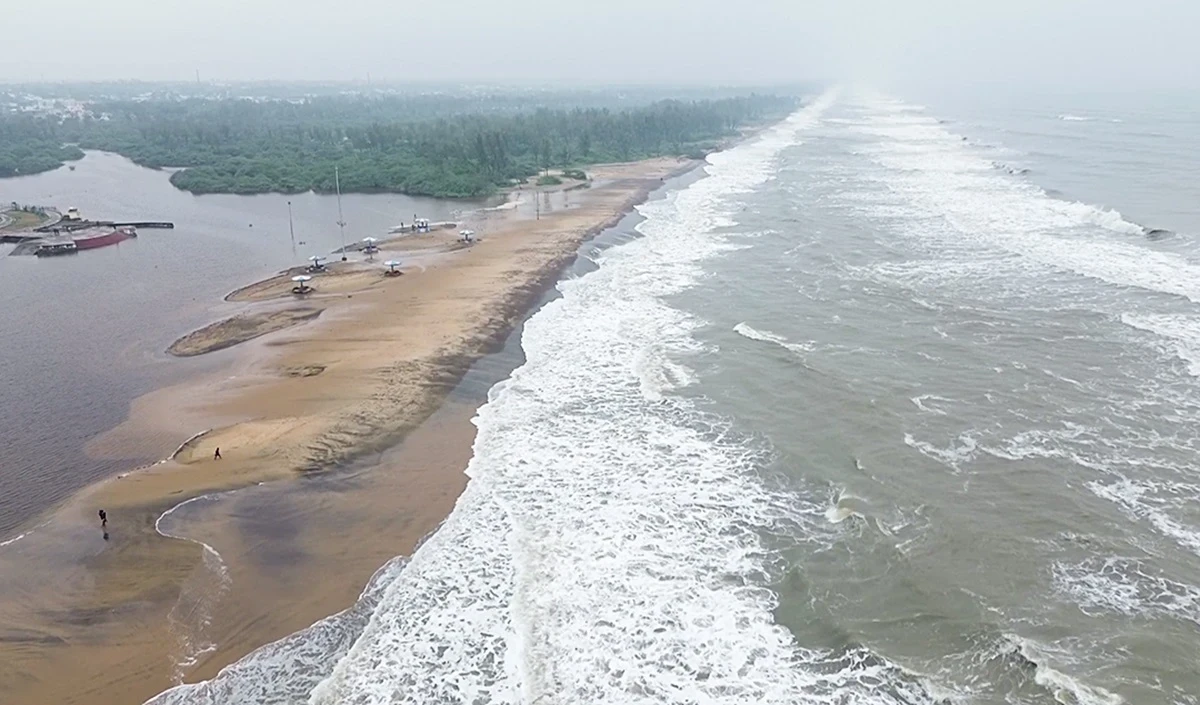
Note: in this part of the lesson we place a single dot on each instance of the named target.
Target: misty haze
(625, 353)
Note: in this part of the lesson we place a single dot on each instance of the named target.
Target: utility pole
(291, 228)
(337, 180)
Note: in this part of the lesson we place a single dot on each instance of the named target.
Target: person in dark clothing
(103, 518)
(217, 454)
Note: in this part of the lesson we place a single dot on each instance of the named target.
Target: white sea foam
(746, 331)
(1046, 443)
(845, 506)
(919, 402)
(1136, 500)
(1009, 168)
(1182, 332)
(954, 198)
(18, 537)
(961, 451)
(193, 611)
(285, 672)
(1065, 688)
(1126, 586)
(1067, 117)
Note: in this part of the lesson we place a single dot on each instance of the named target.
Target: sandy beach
(353, 377)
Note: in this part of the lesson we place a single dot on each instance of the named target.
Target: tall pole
(291, 228)
(337, 180)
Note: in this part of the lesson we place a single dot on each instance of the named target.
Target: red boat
(101, 238)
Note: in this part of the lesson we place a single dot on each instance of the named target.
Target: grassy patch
(23, 220)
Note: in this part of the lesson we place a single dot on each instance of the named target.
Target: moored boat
(50, 249)
(102, 238)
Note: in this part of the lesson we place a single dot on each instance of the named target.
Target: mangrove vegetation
(429, 145)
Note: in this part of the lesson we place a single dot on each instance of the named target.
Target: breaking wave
(746, 331)
(1180, 334)
(966, 203)
(1064, 688)
(286, 671)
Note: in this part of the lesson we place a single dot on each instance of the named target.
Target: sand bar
(239, 329)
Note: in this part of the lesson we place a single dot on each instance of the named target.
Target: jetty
(67, 226)
(71, 233)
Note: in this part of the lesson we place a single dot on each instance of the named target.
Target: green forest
(29, 146)
(428, 145)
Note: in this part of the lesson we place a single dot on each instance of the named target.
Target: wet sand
(239, 329)
(337, 278)
(339, 392)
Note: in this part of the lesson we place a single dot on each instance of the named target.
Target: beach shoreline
(373, 371)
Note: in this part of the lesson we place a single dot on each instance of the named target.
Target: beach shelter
(301, 284)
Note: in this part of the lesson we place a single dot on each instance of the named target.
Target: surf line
(195, 437)
(18, 537)
(212, 561)
(121, 476)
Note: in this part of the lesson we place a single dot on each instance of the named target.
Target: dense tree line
(420, 145)
(29, 145)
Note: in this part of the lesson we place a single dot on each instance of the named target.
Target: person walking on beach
(217, 454)
(103, 518)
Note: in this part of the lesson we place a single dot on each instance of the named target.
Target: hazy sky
(1077, 43)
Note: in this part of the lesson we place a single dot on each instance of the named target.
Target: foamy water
(201, 592)
(287, 670)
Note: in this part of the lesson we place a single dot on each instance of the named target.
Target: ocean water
(897, 403)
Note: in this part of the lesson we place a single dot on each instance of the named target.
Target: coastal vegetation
(429, 145)
(30, 145)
